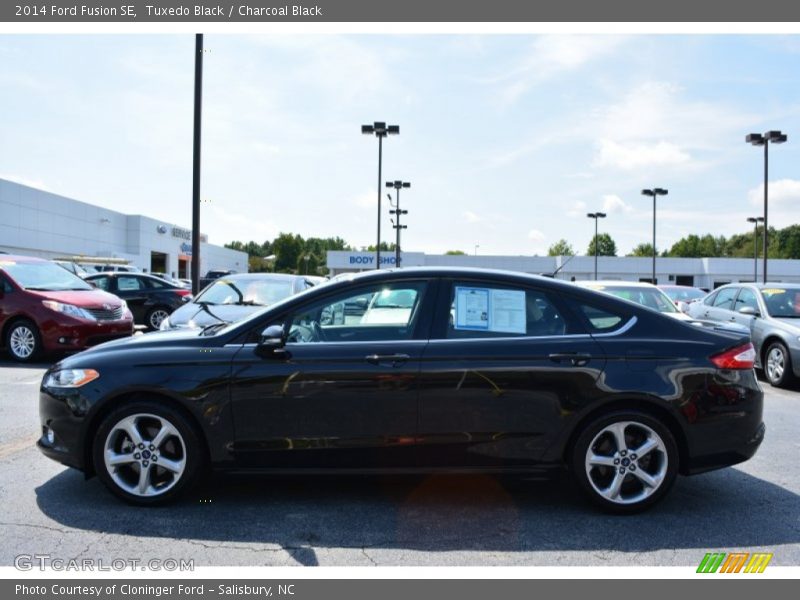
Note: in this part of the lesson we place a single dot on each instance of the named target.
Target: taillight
(741, 357)
(183, 292)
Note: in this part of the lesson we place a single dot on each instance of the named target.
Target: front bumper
(64, 416)
(81, 335)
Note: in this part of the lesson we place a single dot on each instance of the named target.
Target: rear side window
(490, 311)
(724, 298)
(156, 284)
(601, 320)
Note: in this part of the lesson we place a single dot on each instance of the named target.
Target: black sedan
(482, 371)
(150, 299)
(233, 297)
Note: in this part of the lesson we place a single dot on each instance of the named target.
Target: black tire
(23, 329)
(150, 317)
(660, 464)
(166, 486)
(779, 374)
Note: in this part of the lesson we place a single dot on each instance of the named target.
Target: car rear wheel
(778, 365)
(156, 316)
(147, 453)
(625, 461)
(23, 341)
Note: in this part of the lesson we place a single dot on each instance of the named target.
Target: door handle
(394, 359)
(575, 359)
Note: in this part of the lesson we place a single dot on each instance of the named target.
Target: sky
(507, 140)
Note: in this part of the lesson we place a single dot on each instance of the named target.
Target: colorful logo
(734, 562)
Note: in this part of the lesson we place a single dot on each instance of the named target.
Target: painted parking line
(9, 448)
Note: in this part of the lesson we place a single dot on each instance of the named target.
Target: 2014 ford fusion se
(478, 371)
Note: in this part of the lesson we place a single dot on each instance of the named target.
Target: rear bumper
(744, 451)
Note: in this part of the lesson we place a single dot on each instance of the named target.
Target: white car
(390, 307)
(639, 292)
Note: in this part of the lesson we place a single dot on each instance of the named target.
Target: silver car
(772, 313)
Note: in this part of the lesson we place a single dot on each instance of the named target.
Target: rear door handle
(393, 359)
(574, 358)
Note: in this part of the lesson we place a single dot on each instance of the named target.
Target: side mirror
(272, 338)
(749, 310)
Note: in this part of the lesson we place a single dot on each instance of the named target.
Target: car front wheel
(147, 453)
(625, 461)
(156, 316)
(778, 365)
(23, 341)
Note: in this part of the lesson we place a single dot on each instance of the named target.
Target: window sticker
(772, 291)
(472, 308)
(487, 309)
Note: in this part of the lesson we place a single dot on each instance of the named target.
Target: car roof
(763, 286)
(274, 276)
(18, 258)
(614, 283)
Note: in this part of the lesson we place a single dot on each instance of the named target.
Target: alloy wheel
(626, 462)
(22, 341)
(157, 316)
(145, 455)
(776, 363)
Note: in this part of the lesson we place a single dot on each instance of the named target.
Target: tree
(385, 247)
(645, 249)
(287, 249)
(560, 248)
(694, 246)
(455, 253)
(605, 245)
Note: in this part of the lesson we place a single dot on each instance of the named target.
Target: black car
(233, 297)
(482, 371)
(150, 299)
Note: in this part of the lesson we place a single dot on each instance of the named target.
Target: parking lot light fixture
(755, 221)
(397, 185)
(595, 216)
(757, 139)
(380, 130)
(654, 192)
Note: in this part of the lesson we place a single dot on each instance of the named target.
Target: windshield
(44, 276)
(649, 297)
(684, 294)
(782, 302)
(251, 292)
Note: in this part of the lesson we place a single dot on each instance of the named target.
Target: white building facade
(34, 222)
(706, 273)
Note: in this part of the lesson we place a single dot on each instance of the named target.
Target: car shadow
(726, 508)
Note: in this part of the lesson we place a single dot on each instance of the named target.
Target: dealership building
(706, 273)
(34, 222)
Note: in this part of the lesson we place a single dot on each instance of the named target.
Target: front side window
(377, 313)
(490, 311)
(747, 298)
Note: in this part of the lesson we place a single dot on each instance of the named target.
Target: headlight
(164, 325)
(68, 309)
(70, 378)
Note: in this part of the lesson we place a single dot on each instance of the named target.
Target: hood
(84, 298)
(788, 322)
(139, 342)
(198, 315)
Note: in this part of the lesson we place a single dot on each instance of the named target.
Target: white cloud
(614, 204)
(536, 235)
(578, 209)
(635, 155)
(551, 55)
(781, 192)
(471, 217)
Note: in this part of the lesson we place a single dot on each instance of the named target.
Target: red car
(45, 308)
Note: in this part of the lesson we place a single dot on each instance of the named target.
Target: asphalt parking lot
(364, 521)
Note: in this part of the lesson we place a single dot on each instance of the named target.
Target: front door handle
(393, 359)
(574, 358)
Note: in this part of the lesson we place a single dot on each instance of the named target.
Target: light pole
(476, 249)
(381, 130)
(397, 185)
(307, 258)
(655, 192)
(595, 216)
(198, 110)
(755, 221)
(756, 139)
